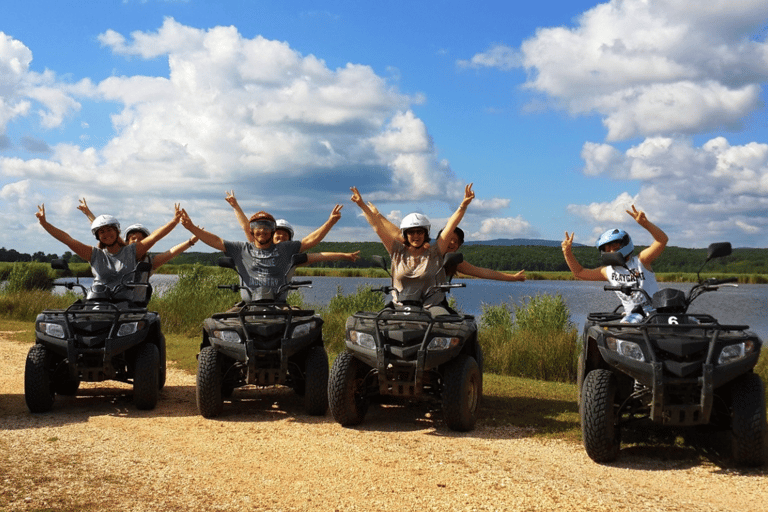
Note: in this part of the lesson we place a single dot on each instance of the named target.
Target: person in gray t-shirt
(261, 262)
(112, 259)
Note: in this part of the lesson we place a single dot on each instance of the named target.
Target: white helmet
(136, 227)
(284, 224)
(415, 220)
(104, 220)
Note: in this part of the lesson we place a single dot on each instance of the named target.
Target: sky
(563, 114)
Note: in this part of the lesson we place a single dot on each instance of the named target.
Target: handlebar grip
(300, 283)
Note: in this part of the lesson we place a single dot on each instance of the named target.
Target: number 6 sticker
(673, 320)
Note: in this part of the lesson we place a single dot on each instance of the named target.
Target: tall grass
(339, 308)
(534, 339)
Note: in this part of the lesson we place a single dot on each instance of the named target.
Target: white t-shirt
(637, 273)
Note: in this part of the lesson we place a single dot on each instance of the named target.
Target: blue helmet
(616, 235)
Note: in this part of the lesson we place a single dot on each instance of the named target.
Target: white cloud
(498, 56)
(506, 227)
(696, 194)
(650, 67)
(233, 112)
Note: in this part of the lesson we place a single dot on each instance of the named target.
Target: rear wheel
(598, 416)
(210, 401)
(346, 393)
(316, 381)
(146, 375)
(38, 389)
(748, 424)
(462, 385)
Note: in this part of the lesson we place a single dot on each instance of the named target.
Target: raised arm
(79, 248)
(83, 207)
(486, 273)
(207, 238)
(143, 246)
(579, 272)
(454, 220)
(381, 230)
(241, 218)
(162, 259)
(393, 229)
(648, 255)
(317, 235)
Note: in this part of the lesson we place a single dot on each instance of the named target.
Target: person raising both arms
(137, 232)
(455, 240)
(415, 263)
(113, 258)
(283, 230)
(261, 262)
(637, 268)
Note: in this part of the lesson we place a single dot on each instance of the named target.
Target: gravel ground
(97, 452)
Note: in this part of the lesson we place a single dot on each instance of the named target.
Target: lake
(742, 304)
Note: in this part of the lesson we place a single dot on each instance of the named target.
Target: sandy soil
(97, 452)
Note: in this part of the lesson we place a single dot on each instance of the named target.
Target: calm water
(745, 304)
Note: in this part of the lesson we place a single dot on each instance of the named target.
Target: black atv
(674, 369)
(99, 337)
(265, 342)
(403, 352)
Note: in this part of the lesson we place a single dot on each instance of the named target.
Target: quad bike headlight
(362, 339)
(302, 330)
(53, 330)
(625, 348)
(442, 343)
(228, 336)
(129, 328)
(733, 353)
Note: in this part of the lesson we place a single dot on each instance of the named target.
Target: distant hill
(520, 241)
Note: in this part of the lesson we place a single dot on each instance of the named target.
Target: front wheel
(38, 389)
(462, 385)
(599, 426)
(316, 381)
(346, 392)
(210, 401)
(748, 424)
(146, 377)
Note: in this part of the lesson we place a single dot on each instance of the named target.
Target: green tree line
(532, 258)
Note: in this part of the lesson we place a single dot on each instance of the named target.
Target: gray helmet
(104, 220)
(136, 227)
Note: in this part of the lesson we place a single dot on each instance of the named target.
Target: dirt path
(97, 452)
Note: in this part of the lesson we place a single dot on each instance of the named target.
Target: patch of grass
(549, 409)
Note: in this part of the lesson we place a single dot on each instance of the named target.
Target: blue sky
(562, 114)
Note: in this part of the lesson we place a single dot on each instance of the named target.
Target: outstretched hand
(638, 215)
(230, 198)
(520, 276)
(568, 242)
(40, 213)
(356, 197)
(335, 214)
(352, 256)
(469, 195)
(83, 206)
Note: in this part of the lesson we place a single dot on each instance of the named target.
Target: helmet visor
(263, 224)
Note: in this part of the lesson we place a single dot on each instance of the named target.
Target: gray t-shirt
(109, 269)
(262, 267)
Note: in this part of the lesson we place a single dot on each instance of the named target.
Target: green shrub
(29, 276)
(342, 306)
(540, 343)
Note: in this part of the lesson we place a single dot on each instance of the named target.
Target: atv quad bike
(673, 368)
(98, 338)
(404, 352)
(264, 342)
